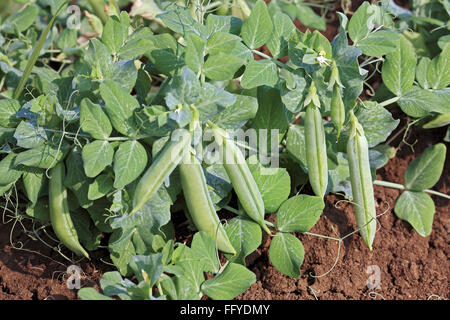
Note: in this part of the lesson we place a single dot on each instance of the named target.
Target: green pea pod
(361, 180)
(59, 212)
(241, 178)
(161, 167)
(337, 109)
(199, 203)
(316, 150)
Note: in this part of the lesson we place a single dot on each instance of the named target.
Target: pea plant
(111, 131)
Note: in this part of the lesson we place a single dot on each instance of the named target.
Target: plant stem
(402, 187)
(388, 102)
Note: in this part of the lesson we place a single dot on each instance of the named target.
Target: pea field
(219, 150)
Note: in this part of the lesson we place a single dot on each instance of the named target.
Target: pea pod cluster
(240, 176)
(59, 211)
(162, 166)
(199, 203)
(361, 181)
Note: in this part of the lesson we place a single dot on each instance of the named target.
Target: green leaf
(8, 170)
(222, 66)
(8, 111)
(259, 73)
(67, 40)
(100, 187)
(76, 179)
(137, 44)
(125, 74)
(418, 209)
(97, 156)
(129, 162)
(20, 21)
(299, 213)
(150, 264)
(234, 280)
(271, 115)
(93, 120)
(236, 115)
(221, 42)
(99, 59)
(286, 253)
(274, 184)
(45, 156)
(420, 102)
(438, 76)
(91, 294)
(257, 29)
(203, 248)
(283, 28)
(227, 24)
(39, 210)
(295, 143)
(424, 172)
(195, 52)
(399, 68)
(122, 249)
(34, 182)
(308, 17)
(166, 54)
(362, 22)
(245, 236)
(438, 121)
(119, 106)
(377, 123)
(29, 136)
(379, 43)
(113, 35)
(421, 72)
(180, 20)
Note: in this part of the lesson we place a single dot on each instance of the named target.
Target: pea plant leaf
(97, 156)
(35, 183)
(299, 213)
(436, 74)
(227, 24)
(119, 106)
(419, 102)
(418, 209)
(93, 120)
(286, 253)
(258, 27)
(231, 282)
(362, 22)
(8, 111)
(130, 160)
(222, 66)
(259, 73)
(195, 52)
(179, 19)
(379, 43)
(203, 248)
(274, 184)
(44, 156)
(399, 68)
(424, 171)
(278, 41)
(9, 172)
(245, 236)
